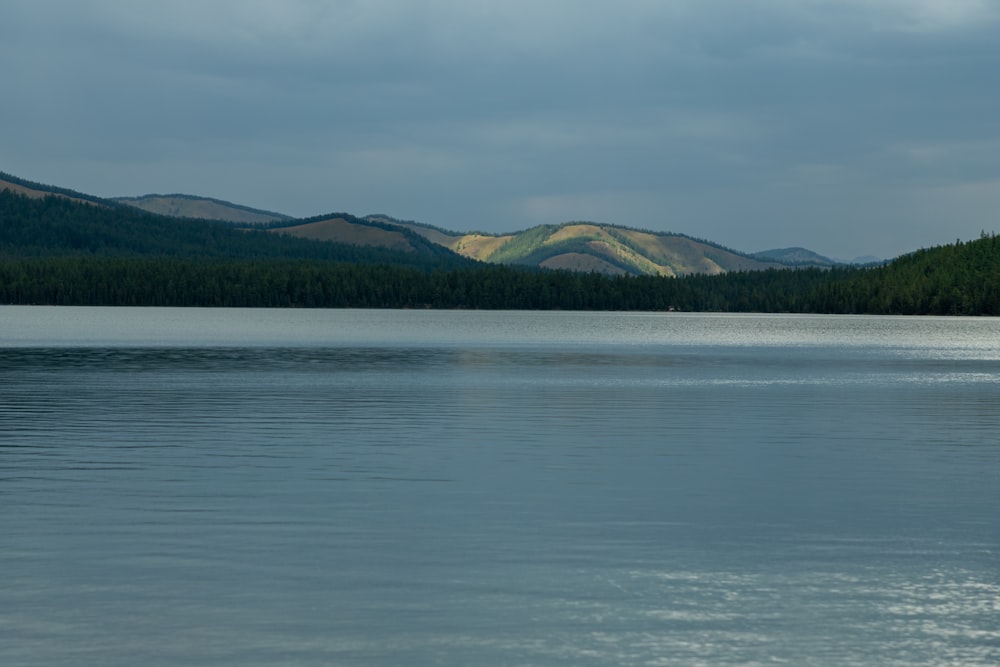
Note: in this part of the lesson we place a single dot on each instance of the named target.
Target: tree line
(56, 251)
(57, 226)
(952, 280)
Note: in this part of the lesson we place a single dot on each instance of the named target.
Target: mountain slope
(584, 246)
(59, 226)
(204, 208)
(62, 247)
(795, 256)
(577, 246)
(958, 279)
(365, 232)
(11, 183)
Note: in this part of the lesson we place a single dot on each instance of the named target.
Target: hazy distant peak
(205, 208)
(796, 256)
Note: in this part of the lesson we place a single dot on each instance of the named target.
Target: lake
(350, 487)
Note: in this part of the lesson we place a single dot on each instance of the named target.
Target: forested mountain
(203, 208)
(62, 226)
(10, 183)
(576, 246)
(60, 247)
(958, 279)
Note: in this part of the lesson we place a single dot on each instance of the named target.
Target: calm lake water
(342, 487)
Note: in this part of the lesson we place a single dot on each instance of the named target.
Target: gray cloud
(849, 127)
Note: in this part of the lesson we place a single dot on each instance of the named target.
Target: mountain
(175, 205)
(204, 208)
(958, 279)
(65, 248)
(802, 257)
(795, 257)
(35, 223)
(365, 232)
(10, 183)
(577, 246)
(868, 260)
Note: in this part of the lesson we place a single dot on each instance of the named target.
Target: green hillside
(60, 247)
(608, 249)
(958, 279)
(61, 226)
(579, 246)
(576, 246)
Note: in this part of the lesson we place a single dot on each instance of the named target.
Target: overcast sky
(850, 127)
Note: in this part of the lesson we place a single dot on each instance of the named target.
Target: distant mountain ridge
(203, 208)
(61, 247)
(803, 257)
(588, 247)
(596, 247)
(38, 190)
(172, 205)
(796, 256)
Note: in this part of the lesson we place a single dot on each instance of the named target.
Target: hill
(45, 224)
(795, 257)
(10, 183)
(867, 260)
(958, 279)
(58, 246)
(348, 229)
(202, 208)
(576, 246)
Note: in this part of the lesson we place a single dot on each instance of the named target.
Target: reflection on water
(483, 492)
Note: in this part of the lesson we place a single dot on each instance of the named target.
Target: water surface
(244, 487)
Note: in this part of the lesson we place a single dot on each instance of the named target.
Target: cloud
(929, 16)
(739, 120)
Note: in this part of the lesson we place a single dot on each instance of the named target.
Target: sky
(849, 127)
